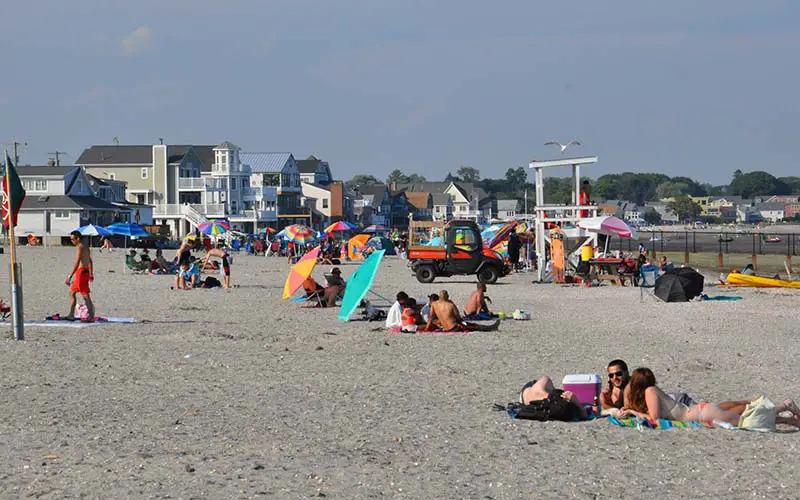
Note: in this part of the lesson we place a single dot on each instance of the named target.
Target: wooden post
(789, 265)
(720, 262)
(755, 262)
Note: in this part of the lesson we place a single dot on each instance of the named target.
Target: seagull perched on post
(562, 146)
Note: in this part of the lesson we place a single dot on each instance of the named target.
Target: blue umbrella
(92, 230)
(127, 229)
(359, 284)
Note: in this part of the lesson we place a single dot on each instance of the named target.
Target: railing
(215, 184)
(193, 183)
(260, 193)
(559, 213)
(262, 215)
(215, 210)
(188, 212)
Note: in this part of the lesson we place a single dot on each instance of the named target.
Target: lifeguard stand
(557, 213)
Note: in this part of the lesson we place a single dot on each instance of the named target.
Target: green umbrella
(359, 283)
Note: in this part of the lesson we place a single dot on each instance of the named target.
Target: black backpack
(553, 408)
(211, 282)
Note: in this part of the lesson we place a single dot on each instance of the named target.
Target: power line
(58, 154)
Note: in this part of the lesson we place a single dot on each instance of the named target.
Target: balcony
(216, 184)
(210, 211)
(259, 215)
(260, 193)
(191, 183)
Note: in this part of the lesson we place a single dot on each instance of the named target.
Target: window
(144, 173)
(464, 239)
(233, 184)
(244, 182)
(324, 203)
(34, 185)
(61, 214)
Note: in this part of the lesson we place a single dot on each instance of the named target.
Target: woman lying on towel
(563, 405)
(646, 400)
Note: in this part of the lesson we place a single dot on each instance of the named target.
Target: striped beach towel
(660, 424)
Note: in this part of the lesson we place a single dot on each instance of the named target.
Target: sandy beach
(236, 394)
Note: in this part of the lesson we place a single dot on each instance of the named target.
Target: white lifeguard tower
(558, 213)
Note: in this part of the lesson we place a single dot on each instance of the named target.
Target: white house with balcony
(59, 199)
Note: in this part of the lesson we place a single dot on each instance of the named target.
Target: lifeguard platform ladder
(557, 213)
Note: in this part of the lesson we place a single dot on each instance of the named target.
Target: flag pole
(17, 318)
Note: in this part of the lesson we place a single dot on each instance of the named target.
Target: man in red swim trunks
(83, 271)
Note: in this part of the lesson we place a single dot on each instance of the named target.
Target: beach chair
(314, 292)
(236, 245)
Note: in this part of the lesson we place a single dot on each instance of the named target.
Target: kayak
(737, 279)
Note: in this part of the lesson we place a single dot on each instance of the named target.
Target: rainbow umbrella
(340, 226)
(266, 230)
(215, 227)
(299, 234)
(300, 272)
(375, 228)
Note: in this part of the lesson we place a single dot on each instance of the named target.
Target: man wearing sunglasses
(612, 397)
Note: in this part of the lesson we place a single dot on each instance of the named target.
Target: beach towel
(722, 297)
(482, 316)
(77, 323)
(660, 424)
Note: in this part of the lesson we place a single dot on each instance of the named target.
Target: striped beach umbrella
(299, 234)
(215, 227)
(340, 226)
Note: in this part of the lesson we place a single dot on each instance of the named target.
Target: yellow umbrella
(300, 272)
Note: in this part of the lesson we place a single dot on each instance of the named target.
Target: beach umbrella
(215, 227)
(300, 272)
(266, 230)
(680, 284)
(127, 229)
(359, 284)
(92, 230)
(340, 226)
(375, 228)
(299, 234)
(356, 244)
(607, 225)
(320, 235)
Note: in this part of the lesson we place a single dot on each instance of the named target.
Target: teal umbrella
(359, 283)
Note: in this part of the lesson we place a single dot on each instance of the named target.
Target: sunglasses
(616, 375)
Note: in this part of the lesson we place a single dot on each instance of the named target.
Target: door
(464, 249)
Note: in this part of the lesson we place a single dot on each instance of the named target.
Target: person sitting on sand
(644, 399)
(394, 316)
(132, 263)
(476, 304)
(188, 276)
(542, 389)
(314, 291)
(411, 317)
(335, 288)
(426, 309)
(160, 263)
(445, 316)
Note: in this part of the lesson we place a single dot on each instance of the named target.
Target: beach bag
(553, 408)
(759, 415)
(211, 282)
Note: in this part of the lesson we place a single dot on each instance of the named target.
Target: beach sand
(236, 394)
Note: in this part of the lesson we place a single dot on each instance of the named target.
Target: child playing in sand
(188, 276)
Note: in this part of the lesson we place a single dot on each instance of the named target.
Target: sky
(681, 87)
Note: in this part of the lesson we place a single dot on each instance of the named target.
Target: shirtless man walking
(83, 271)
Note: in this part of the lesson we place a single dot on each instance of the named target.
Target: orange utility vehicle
(460, 251)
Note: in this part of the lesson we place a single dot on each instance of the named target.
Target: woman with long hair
(644, 399)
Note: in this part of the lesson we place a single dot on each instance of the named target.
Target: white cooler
(586, 387)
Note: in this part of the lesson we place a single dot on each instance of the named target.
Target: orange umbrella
(300, 272)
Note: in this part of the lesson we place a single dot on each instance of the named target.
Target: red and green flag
(13, 193)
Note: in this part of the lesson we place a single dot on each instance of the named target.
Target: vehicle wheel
(488, 275)
(426, 274)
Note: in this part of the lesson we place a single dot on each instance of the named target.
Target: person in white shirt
(394, 318)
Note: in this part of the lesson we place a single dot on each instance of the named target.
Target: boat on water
(752, 280)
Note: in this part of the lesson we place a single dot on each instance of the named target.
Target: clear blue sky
(680, 87)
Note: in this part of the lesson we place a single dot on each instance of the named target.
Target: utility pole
(58, 154)
(15, 145)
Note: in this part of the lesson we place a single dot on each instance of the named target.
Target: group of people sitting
(637, 394)
(189, 268)
(439, 313)
(146, 263)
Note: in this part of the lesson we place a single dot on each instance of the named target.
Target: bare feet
(789, 405)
